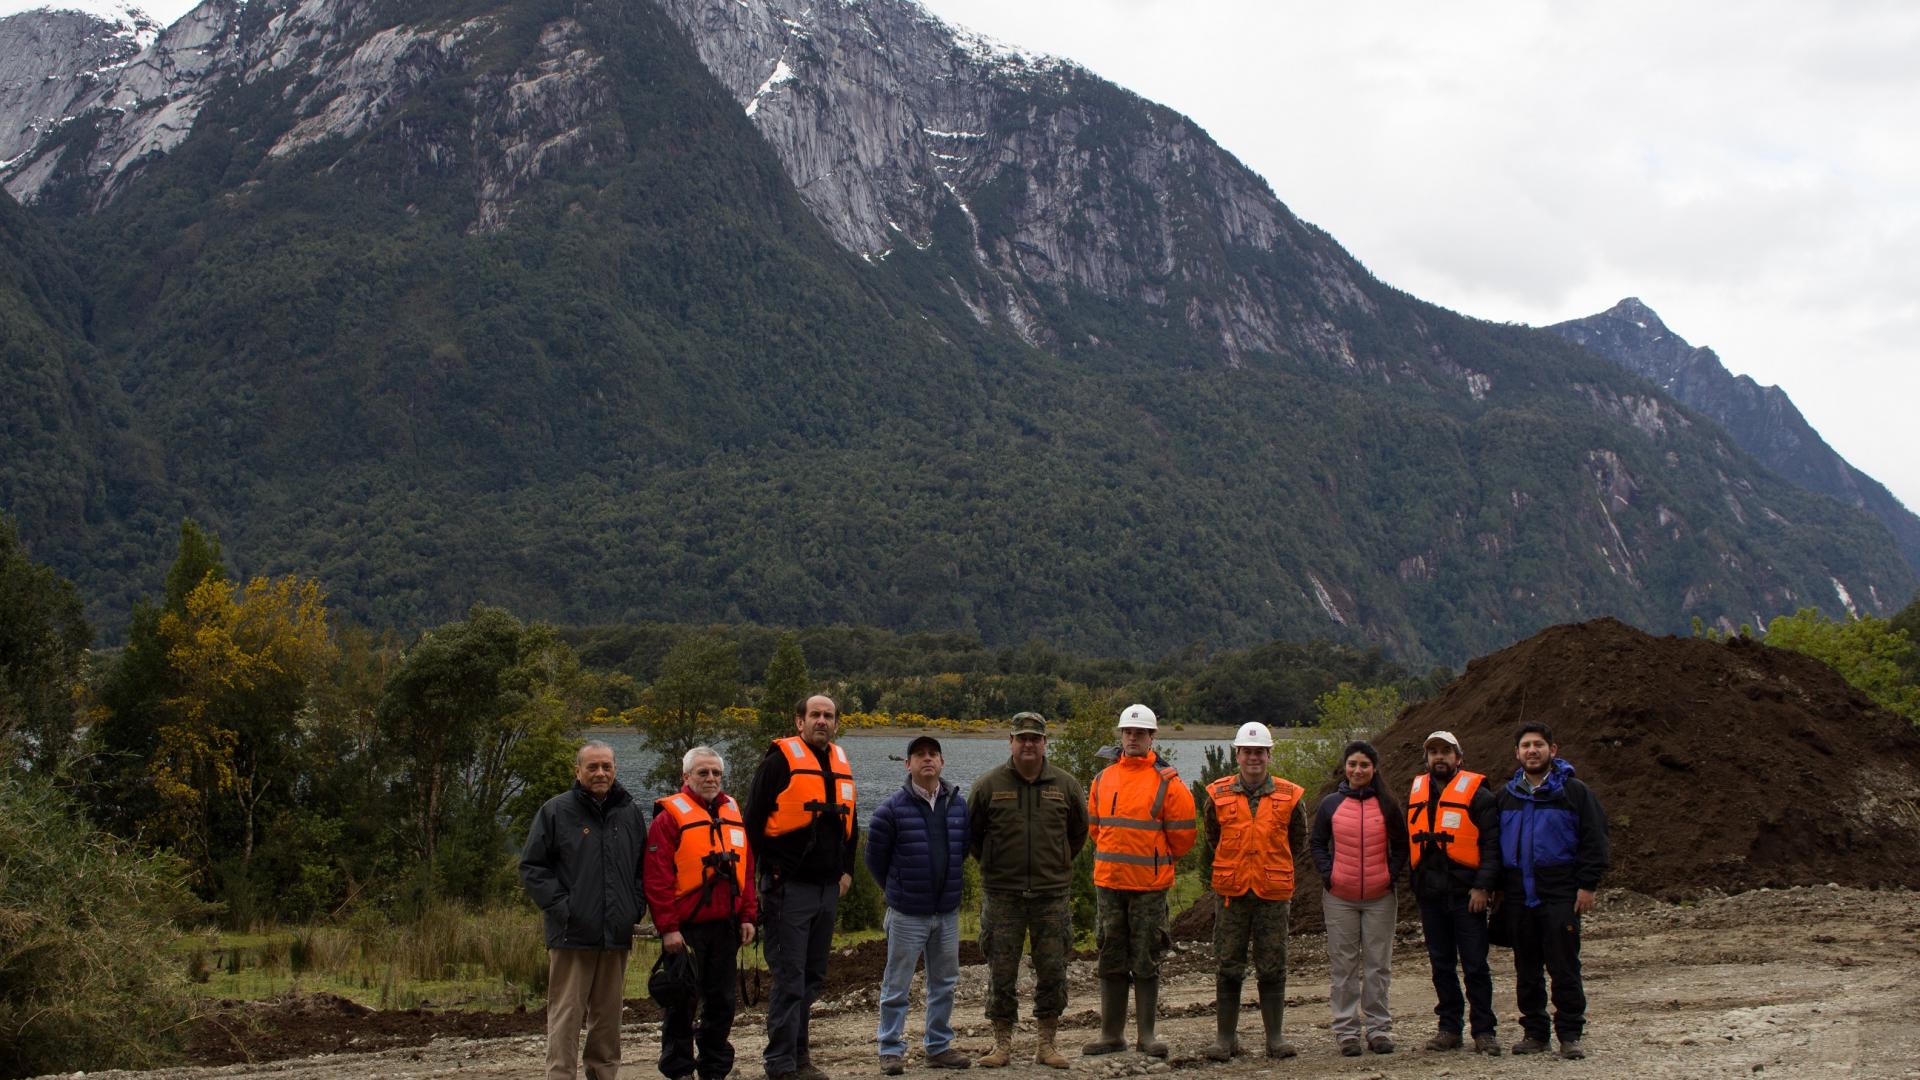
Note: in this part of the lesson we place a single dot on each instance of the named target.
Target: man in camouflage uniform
(1140, 819)
(1254, 824)
(1026, 820)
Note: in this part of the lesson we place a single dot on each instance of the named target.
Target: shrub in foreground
(86, 981)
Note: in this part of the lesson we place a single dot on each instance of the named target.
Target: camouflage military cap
(1029, 723)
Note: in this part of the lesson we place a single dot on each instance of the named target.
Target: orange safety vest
(708, 843)
(808, 793)
(1253, 855)
(1453, 831)
(1140, 819)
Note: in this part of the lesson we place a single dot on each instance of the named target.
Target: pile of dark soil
(296, 1025)
(1721, 766)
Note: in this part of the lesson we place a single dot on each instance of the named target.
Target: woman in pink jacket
(1359, 842)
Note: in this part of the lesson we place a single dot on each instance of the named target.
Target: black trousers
(715, 946)
(1546, 945)
(1454, 932)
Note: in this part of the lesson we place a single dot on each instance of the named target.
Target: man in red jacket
(698, 877)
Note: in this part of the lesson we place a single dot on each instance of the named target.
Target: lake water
(873, 770)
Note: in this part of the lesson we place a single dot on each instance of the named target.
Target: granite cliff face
(1761, 419)
(885, 118)
(88, 103)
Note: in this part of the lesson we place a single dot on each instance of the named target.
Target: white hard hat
(1138, 716)
(1252, 734)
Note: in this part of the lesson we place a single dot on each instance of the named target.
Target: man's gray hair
(591, 744)
(686, 760)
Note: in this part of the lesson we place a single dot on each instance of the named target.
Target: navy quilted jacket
(899, 850)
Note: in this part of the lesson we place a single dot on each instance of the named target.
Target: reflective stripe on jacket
(808, 793)
(1446, 824)
(1253, 854)
(712, 843)
(1140, 819)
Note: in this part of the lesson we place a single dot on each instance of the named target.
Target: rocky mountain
(753, 311)
(1762, 419)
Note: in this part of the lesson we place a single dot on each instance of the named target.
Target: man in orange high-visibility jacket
(1140, 820)
(1254, 825)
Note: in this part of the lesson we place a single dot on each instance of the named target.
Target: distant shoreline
(1195, 732)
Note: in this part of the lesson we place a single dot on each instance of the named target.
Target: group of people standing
(1530, 853)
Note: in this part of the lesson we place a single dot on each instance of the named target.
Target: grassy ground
(491, 959)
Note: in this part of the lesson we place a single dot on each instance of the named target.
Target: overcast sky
(1751, 169)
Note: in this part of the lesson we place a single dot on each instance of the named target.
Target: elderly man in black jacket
(582, 866)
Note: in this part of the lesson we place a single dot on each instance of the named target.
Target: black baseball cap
(925, 742)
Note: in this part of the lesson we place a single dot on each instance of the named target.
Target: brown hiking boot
(1444, 1040)
(1531, 1045)
(1571, 1050)
(1380, 1044)
(1487, 1044)
(950, 1058)
(1351, 1048)
(1046, 1053)
(1002, 1052)
(892, 1064)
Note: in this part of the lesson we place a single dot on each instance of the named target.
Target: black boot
(1273, 1009)
(1113, 1018)
(1226, 1019)
(1146, 1008)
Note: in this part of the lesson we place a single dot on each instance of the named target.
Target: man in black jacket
(1454, 827)
(582, 867)
(802, 827)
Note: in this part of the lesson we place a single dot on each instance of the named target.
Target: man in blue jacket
(916, 844)
(1553, 850)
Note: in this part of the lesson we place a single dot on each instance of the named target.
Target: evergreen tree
(43, 647)
(132, 699)
(786, 682)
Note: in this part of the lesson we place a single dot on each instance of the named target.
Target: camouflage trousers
(1007, 922)
(1243, 923)
(1132, 932)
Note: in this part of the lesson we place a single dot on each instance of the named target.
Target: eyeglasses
(709, 772)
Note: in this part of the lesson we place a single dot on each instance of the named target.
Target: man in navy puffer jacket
(916, 844)
(1553, 850)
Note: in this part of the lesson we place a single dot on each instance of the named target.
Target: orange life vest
(709, 843)
(1253, 855)
(809, 793)
(1453, 831)
(1140, 819)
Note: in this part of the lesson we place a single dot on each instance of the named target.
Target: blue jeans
(909, 938)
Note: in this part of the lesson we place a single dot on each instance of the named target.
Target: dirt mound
(296, 1025)
(1722, 766)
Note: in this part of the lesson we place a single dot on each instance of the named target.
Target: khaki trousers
(584, 984)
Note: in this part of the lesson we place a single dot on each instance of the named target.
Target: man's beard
(1441, 771)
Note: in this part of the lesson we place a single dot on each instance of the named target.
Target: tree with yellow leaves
(244, 666)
